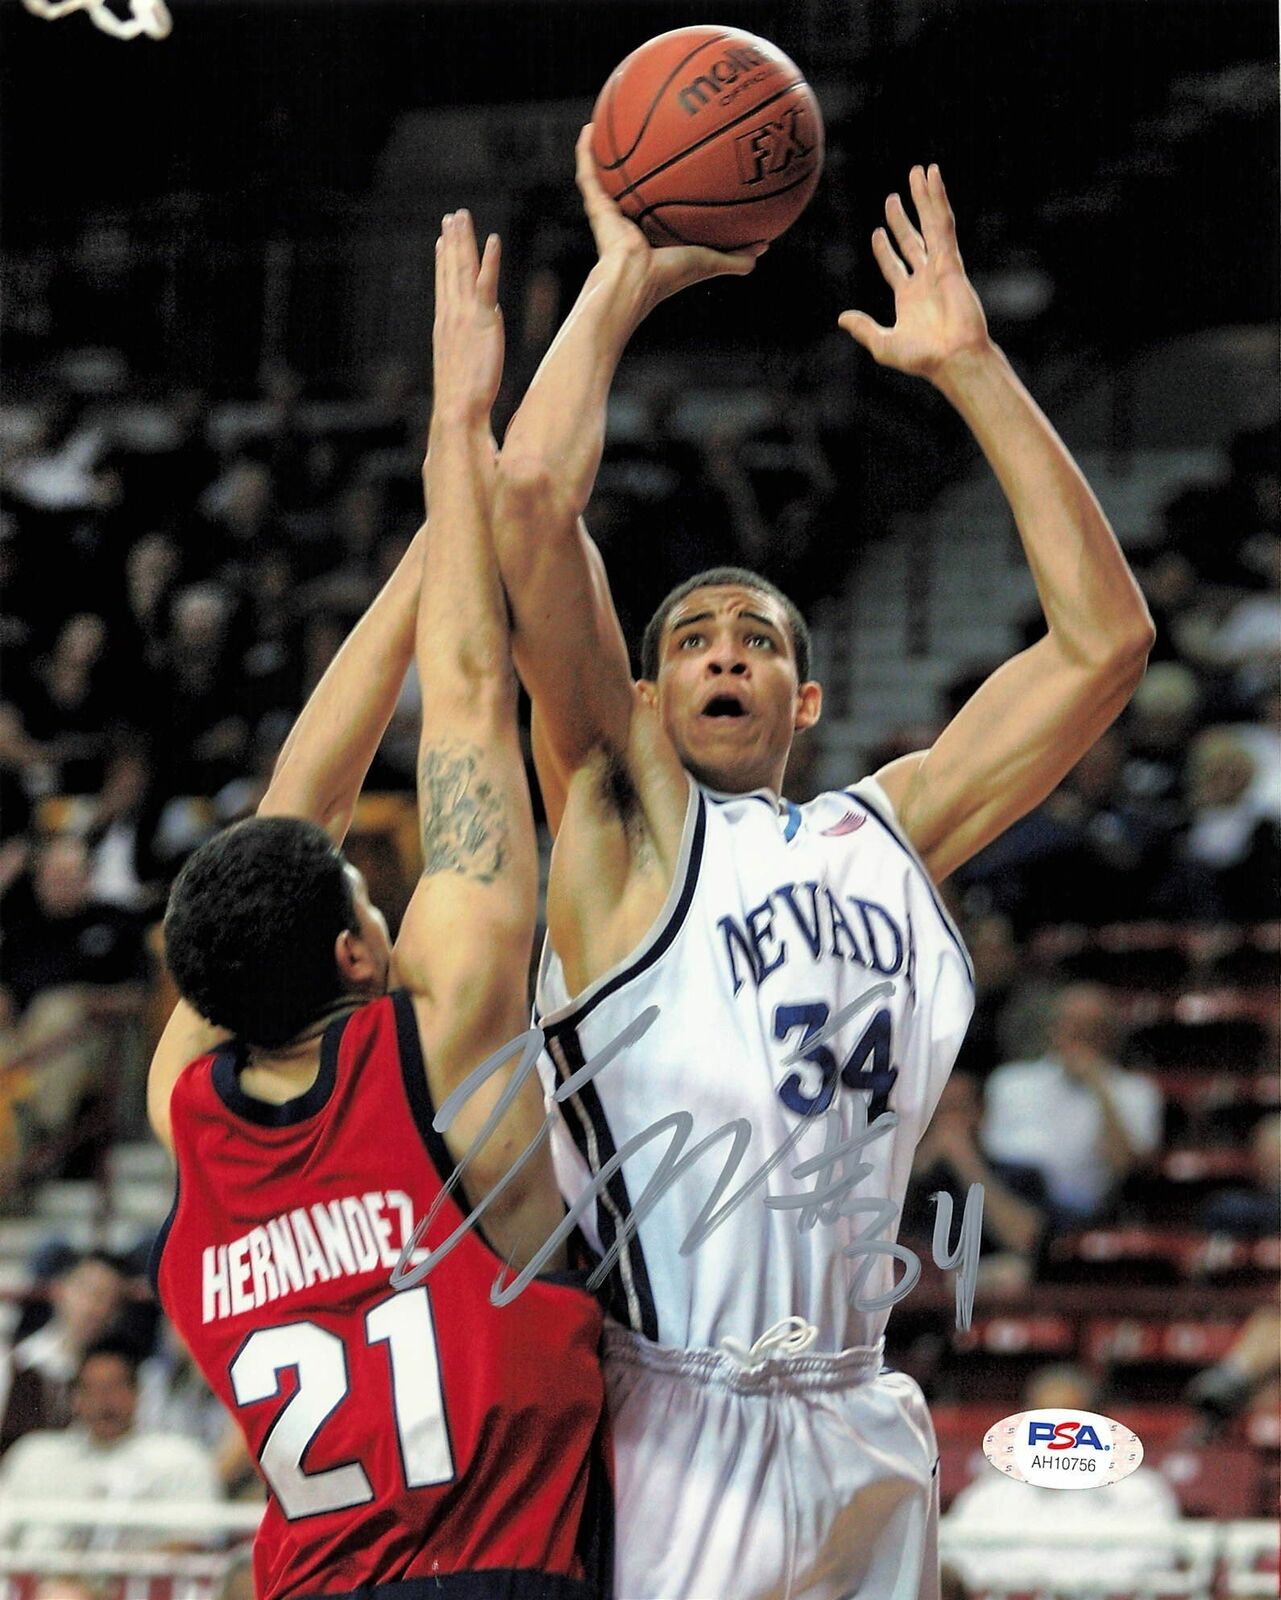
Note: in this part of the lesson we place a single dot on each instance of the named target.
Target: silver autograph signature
(836, 1171)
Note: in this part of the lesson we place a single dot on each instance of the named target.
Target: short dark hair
(251, 925)
(715, 577)
(112, 1344)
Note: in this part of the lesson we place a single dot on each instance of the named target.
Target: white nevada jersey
(811, 932)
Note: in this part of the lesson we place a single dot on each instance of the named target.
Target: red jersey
(402, 1435)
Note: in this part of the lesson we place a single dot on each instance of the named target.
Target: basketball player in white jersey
(806, 976)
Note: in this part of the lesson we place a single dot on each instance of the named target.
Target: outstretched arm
(479, 869)
(322, 764)
(318, 773)
(567, 642)
(465, 941)
(1033, 719)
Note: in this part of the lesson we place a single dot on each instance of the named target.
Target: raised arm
(1033, 719)
(567, 643)
(466, 938)
(322, 764)
(318, 773)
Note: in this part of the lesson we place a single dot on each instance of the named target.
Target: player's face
(727, 688)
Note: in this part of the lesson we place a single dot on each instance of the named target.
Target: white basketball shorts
(807, 1477)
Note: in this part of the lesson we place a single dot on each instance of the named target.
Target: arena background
(215, 265)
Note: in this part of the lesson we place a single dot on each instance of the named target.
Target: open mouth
(724, 705)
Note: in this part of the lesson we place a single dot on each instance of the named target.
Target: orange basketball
(708, 136)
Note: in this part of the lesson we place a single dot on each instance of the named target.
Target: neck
(289, 1070)
(725, 783)
(303, 1044)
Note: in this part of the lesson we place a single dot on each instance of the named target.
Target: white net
(145, 16)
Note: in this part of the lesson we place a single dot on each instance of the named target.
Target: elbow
(527, 487)
(1142, 636)
(1129, 656)
(530, 498)
(477, 681)
(1117, 667)
(474, 682)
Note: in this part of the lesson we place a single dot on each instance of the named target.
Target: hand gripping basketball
(708, 135)
(666, 268)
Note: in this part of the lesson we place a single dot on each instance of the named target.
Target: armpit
(617, 792)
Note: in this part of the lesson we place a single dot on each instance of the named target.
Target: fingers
(444, 271)
(937, 231)
(932, 206)
(722, 263)
(468, 256)
(487, 277)
(462, 261)
(890, 263)
(446, 264)
(462, 272)
(861, 328)
(586, 176)
(584, 162)
(905, 235)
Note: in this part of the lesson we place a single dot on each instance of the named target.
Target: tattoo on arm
(464, 822)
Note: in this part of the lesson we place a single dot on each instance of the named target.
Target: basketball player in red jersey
(421, 1442)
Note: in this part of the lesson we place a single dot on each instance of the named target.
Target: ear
(355, 965)
(647, 693)
(809, 706)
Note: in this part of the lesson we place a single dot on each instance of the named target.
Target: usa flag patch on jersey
(848, 823)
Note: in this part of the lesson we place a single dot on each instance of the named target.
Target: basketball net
(147, 16)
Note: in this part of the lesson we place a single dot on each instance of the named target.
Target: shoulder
(187, 1038)
(872, 802)
(383, 1015)
(895, 780)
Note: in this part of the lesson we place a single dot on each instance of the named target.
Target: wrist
(462, 421)
(965, 371)
(617, 291)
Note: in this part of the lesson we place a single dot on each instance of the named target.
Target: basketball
(708, 136)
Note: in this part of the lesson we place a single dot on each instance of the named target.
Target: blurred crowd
(177, 574)
(99, 1401)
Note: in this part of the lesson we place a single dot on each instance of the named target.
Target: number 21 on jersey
(403, 1322)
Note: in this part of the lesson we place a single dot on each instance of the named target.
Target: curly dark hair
(713, 577)
(251, 925)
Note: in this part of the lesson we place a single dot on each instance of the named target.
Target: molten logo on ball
(770, 148)
(708, 136)
(694, 96)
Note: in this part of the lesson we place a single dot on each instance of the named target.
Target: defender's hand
(665, 269)
(937, 313)
(467, 332)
